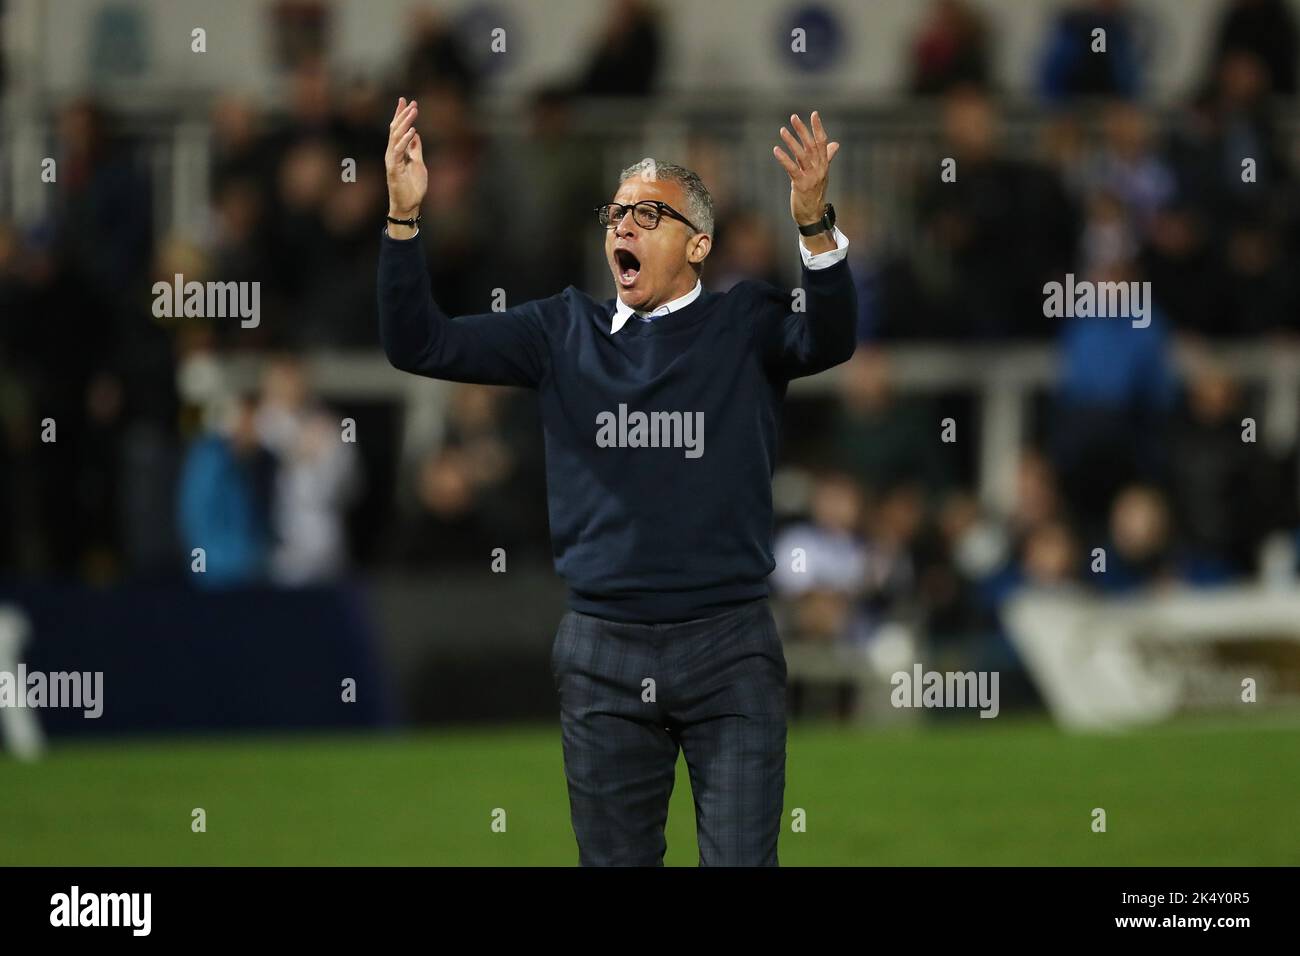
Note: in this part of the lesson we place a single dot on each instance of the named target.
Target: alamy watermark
(1098, 300)
(75, 908)
(946, 689)
(74, 690)
(208, 300)
(651, 430)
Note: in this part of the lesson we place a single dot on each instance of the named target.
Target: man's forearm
(408, 317)
(493, 348)
(832, 315)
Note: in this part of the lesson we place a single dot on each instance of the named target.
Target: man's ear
(700, 246)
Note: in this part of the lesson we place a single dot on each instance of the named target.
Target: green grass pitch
(1020, 792)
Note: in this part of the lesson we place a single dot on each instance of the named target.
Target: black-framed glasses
(645, 214)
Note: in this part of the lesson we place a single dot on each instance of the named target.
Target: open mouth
(628, 265)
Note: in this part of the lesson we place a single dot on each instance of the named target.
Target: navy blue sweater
(654, 517)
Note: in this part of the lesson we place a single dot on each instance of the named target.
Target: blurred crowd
(157, 455)
(1140, 473)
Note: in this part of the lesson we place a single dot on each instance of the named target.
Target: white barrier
(1109, 663)
(20, 731)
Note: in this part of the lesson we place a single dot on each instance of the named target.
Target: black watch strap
(406, 222)
(825, 224)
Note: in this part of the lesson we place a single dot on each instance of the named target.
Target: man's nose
(626, 225)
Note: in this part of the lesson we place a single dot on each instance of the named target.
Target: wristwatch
(825, 224)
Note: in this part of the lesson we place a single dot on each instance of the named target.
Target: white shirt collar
(623, 312)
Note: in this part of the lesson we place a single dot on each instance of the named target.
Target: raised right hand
(408, 179)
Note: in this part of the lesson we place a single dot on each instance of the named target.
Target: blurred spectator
(1109, 242)
(1047, 557)
(237, 250)
(1128, 166)
(317, 477)
(1037, 499)
(892, 305)
(1220, 494)
(627, 57)
(481, 489)
(1116, 383)
(745, 248)
(950, 49)
(1075, 65)
(359, 118)
(59, 337)
(240, 149)
(300, 29)
(894, 531)
(957, 555)
(712, 158)
(562, 170)
(1064, 146)
(437, 56)
(448, 529)
(1245, 121)
(1229, 124)
(334, 309)
(880, 437)
(1005, 225)
(103, 207)
(310, 108)
(1143, 553)
(225, 498)
(1262, 288)
(1037, 546)
(298, 244)
(1139, 553)
(1267, 30)
(1050, 556)
(1185, 274)
(821, 564)
(465, 206)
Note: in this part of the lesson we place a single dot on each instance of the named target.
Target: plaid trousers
(632, 694)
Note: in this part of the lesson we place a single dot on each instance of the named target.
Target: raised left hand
(808, 164)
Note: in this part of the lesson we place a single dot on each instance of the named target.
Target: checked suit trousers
(631, 695)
